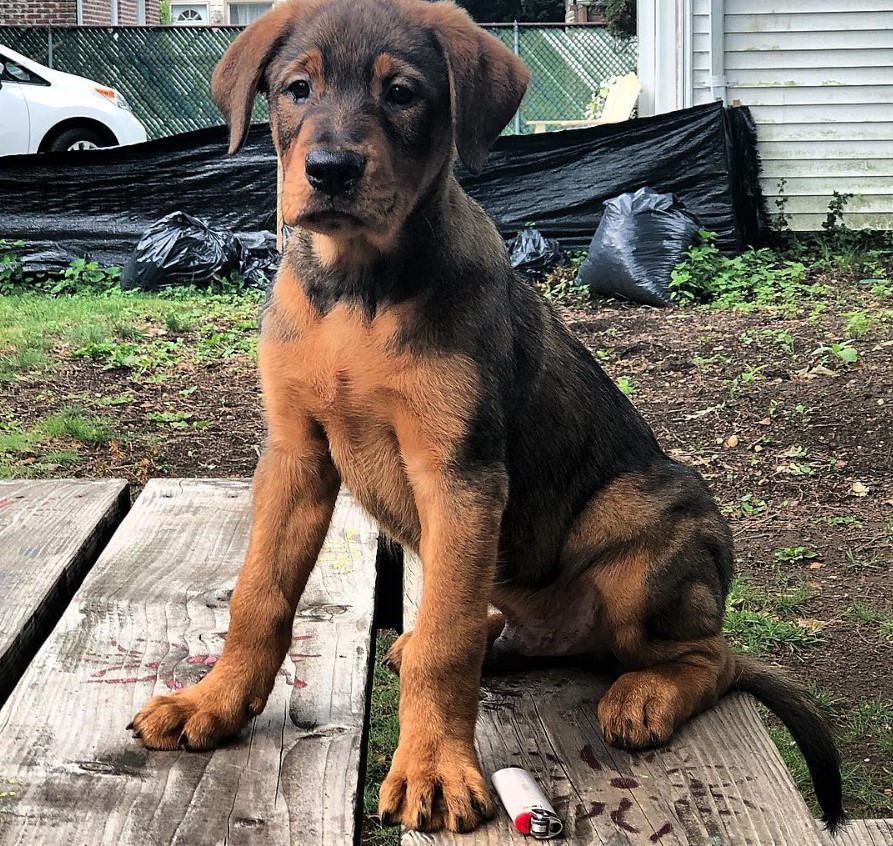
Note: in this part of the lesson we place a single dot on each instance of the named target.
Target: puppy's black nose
(333, 172)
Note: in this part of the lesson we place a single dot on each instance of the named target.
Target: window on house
(189, 14)
(241, 14)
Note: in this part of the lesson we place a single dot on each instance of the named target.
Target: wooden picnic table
(151, 616)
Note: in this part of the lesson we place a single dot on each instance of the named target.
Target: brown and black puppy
(400, 356)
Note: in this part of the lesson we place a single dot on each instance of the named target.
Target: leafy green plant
(782, 337)
(747, 377)
(750, 505)
(627, 388)
(794, 554)
(834, 218)
(781, 222)
(175, 419)
(843, 351)
(10, 264)
(755, 278)
(83, 276)
(858, 323)
(562, 286)
(849, 520)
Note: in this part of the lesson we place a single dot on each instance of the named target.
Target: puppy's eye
(399, 95)
(300, 89)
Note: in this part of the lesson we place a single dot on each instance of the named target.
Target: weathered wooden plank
(863, 833)
(152, 617)
(50, 535)
(719, 781)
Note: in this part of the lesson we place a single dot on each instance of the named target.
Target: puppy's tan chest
(346, 372)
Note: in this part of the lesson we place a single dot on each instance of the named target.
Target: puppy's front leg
(294, 492)
(435, 779)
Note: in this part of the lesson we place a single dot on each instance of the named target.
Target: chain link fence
(165, 72)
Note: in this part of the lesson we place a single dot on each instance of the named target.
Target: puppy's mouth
(330, 222)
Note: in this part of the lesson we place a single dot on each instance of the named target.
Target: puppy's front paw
(196, 718)
(440, 788)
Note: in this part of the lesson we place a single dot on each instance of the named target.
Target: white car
(42, 109)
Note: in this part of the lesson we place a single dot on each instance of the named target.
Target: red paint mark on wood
(207, 660)
(153, 665)
(666, 828)
(173, 684)
(5, 502)
(302, 637)
(587, 753)
(298, 684)
(618, 817)
(597, 809)
(624, 782)
(122, 681)
(98, 674)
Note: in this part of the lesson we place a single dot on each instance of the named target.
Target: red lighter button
(522, 822)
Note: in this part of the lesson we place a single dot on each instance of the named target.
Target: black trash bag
(181, 250)
(260, 258)
(641, 238)
(533, 255)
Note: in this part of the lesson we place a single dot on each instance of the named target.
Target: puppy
(401, 357)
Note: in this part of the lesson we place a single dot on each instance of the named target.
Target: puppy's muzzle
(334, 172)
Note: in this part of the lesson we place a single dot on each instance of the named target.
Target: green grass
(123, 330)
(865, 614)
(756, 622)
(49, 443)
(383, 733)
(76, 425)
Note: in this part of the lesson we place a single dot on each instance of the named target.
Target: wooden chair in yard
(151, 616)
(619, 104)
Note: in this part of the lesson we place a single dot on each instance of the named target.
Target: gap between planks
(51, 533)
(151, 617)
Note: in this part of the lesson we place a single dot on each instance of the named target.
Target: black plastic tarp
(99, 203)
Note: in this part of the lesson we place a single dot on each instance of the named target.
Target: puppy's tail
(796, 708)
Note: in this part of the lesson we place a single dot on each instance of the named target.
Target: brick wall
(36, 12)
(97, 12)
(64, 12)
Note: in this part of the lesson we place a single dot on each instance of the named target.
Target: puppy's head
(368, 99)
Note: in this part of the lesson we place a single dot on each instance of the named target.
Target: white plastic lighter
(527, 805)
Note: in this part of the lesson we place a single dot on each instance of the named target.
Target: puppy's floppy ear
(487, 81)
(238, 75)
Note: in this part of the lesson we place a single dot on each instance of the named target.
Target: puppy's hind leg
(661, 563)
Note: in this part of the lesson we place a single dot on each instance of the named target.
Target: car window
(14, 72)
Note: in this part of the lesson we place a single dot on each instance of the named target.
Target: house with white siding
(817, 76)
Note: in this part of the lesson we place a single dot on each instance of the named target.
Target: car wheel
(78, 138)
